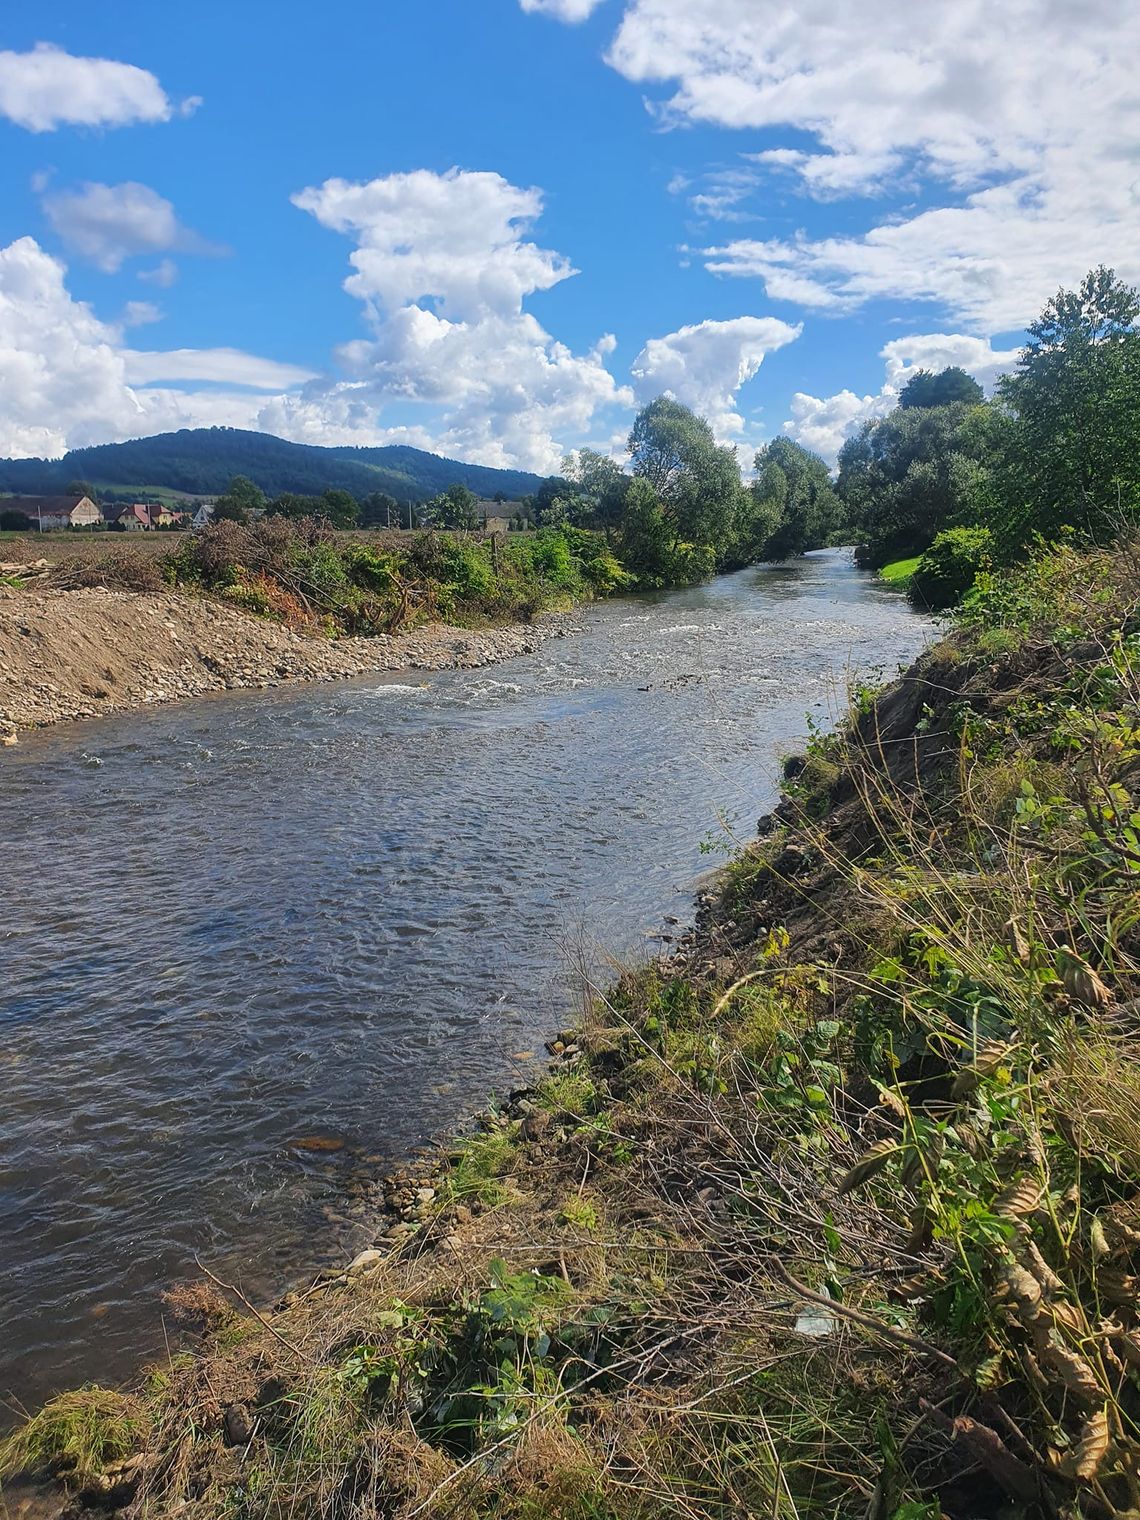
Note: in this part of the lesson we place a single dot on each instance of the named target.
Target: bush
(948, 569)
(14, 522)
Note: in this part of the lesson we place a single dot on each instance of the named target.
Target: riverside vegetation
(835, 1212)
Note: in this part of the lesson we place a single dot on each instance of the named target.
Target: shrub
(948, 569)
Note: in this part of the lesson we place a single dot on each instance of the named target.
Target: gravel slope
(80, 654)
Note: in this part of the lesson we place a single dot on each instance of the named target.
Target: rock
(425, 1195)
(239, 1425)
(366, 1261)
(535, 1125)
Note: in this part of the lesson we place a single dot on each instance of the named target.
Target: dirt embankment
(81, 654)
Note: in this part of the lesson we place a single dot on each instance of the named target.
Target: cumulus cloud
(110, 223)
(1029, 163)
(562, 10)
(458, 237)
(706, 364)
(443, 266)
(67, 381)
(49, 88)
(824, 423)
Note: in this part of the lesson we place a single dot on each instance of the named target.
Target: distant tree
(1073, 404)
(457, 507)
(240, 502)
(289, 504)
(14, 522)
(379, 510)
(806, 510)
(81, 488)
(905, 478)
(600, 485)
(341, 509)
(696, 480)
(925, 388)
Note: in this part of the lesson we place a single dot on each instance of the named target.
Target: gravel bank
(80, 654)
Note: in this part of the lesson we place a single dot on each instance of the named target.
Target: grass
(899, 571)
(76, 1436)
(837, 1212)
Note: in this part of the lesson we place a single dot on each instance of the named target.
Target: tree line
(970, 485)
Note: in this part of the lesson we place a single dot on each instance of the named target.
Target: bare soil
(81, 654)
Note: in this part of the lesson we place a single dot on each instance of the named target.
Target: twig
(868, 1321)
(257, 1314)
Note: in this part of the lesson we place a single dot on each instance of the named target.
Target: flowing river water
(344, 914)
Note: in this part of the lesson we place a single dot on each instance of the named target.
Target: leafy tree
(600, 484)
(696, 480)
(341, 509)
(925, 388)
(1073, 453)
(240, 502)
(14, 522)
(794, 498)
(907, 476)
(81, 488)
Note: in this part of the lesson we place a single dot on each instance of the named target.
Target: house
(161, 516)
(203, 515)
(495, 515)
(135, 518)
(44, 512)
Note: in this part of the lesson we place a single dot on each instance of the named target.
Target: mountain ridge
(202, 461)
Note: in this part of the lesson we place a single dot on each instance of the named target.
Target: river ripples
(345, 912)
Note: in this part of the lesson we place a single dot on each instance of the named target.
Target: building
(135, 518)
(45, 512)
(496, 516)
(203, 515)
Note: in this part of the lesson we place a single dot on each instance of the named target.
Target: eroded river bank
(343, 914)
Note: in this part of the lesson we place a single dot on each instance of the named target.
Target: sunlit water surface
(345, 911)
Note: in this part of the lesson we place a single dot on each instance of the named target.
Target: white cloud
(706, 364)
(494, 385)
(1021, 122)
(458, 237)
(164, 274)
(562, 10)
(66, 381)
(824, 423)
(110, 223)
(48, 88)
(226, 366)
(140, 314)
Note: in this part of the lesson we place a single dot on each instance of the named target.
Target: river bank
(67, 655)
(830, 1212)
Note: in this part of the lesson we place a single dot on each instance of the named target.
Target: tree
(696, 480)
(1074, 413)
(241, 501)
(379, 510)
(340, 508)
(14, 522)
(907, 476)
(82, 488)
(925, 388)
(600, 484)
(794, 486)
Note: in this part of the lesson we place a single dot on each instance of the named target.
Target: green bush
(950, 566)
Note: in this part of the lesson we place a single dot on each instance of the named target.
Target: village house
(45, 512)
(495, 516)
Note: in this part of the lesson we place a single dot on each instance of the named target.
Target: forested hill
(202, 461)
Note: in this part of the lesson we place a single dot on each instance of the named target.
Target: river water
(347, 912)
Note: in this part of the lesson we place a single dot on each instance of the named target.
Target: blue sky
(771, 216)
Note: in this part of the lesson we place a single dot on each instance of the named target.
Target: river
(348, 912)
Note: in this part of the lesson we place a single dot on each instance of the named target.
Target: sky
(495, 228)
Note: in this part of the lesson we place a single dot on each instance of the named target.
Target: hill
(202, 461)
